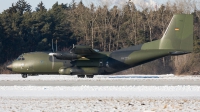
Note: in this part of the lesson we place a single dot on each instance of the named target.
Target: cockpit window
(20, 58)
(96, 50)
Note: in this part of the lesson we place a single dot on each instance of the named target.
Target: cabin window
(107, 64)
(101, 63)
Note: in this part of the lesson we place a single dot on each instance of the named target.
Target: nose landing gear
(24, 75)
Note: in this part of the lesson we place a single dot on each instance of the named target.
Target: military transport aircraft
(85, 61)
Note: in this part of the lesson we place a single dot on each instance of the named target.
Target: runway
(102, 83)
(127, 80)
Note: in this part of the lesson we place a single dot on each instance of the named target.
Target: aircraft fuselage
(42, 63)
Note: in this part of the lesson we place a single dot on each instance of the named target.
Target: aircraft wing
(83, 50)
(78, 52)
(87, 52)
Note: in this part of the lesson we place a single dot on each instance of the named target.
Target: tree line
(107, 29)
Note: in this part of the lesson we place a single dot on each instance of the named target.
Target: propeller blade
(56, 46)
(52, 46)
(52, 62)
(52, 58)
(52, 54)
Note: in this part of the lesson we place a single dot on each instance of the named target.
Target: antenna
(52, 46)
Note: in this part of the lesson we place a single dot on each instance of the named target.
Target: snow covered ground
(100, 91)
(33, 104)
(84, 98)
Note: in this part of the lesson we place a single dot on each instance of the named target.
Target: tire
(90, 76)
(81, 76)
(24, 75)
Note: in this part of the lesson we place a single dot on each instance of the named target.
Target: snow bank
(101, 91)
(98, 104)
(99, 98)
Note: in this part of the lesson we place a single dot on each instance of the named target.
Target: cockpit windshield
(96, 50)
(20, 58)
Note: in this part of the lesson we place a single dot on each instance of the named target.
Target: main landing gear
(24, 75)
(89, 76)
(83, 76)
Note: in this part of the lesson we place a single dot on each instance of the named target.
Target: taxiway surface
(102, 83)
(128, 80)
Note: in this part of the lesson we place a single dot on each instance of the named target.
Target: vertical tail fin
(179, 34)
(177, 37)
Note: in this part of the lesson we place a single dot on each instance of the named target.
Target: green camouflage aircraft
(83, 60)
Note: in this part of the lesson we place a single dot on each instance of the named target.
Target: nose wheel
(24, 75)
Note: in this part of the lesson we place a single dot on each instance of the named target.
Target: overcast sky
(5, 4)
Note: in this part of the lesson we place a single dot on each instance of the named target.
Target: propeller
(52, 54)
(52, 58)
(52, 46)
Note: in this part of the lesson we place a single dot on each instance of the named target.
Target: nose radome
(9, 67)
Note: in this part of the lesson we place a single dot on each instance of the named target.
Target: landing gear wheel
(81, 76)
(24, 75)
(90, 76)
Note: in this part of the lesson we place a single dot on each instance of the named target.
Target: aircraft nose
(9, 67)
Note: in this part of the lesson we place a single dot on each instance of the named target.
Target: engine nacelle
(70, 71)
(66, 56)
(79, 71)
